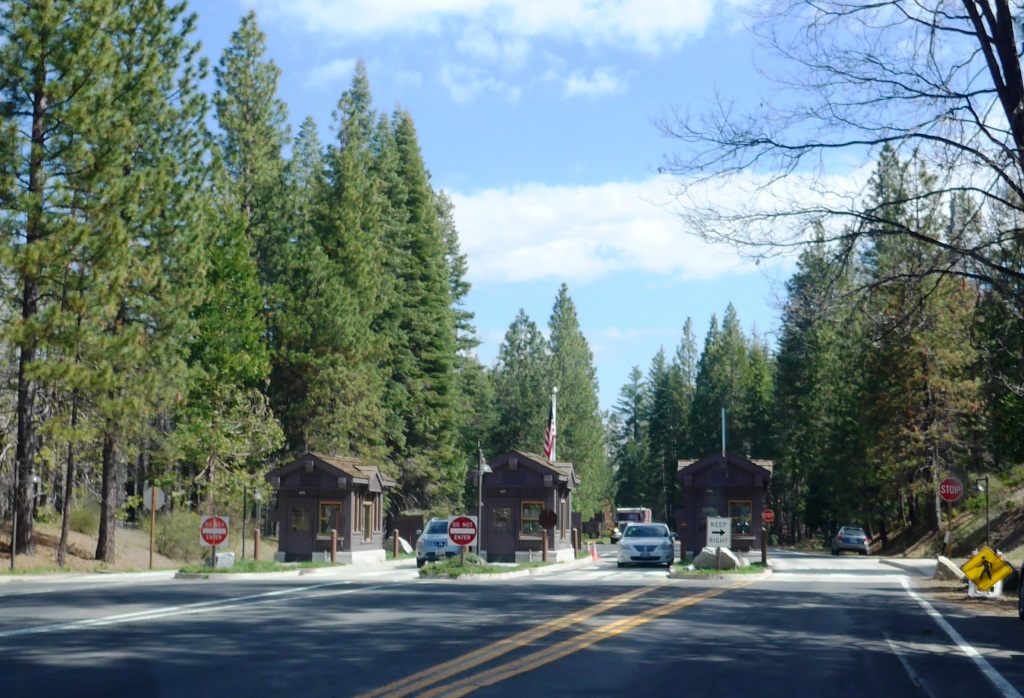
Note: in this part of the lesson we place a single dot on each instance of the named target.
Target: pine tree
(100, 240)
(580, 428)
(522, 388)
(630, 448)
(421, 350)
(254, 132)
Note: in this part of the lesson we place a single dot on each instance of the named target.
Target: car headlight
(667, 545)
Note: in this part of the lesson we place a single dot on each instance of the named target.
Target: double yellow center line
(437, 674)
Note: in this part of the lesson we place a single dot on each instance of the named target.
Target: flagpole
(554, 422)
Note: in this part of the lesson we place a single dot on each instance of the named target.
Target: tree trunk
(69, 488)
(111, 490)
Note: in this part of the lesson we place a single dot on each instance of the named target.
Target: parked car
(434, 543)
(646, 544)
(851, 538)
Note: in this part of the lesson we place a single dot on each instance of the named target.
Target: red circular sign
(213, 530)
(767, 515)
(951, 489)
(462, 530)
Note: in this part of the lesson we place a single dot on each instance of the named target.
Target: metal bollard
(334, 546)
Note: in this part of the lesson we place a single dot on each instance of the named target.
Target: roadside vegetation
(454, 568)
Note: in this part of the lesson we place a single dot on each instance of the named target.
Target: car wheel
(863, 552)
(620, 565)
(419, 562)
(834, 551)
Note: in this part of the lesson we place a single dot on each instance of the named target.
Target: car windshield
(437, 527)
(848, 531)
(646, 532)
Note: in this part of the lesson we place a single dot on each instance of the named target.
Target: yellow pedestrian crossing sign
(986, 569)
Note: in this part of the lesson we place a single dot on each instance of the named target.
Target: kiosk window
(330, 517)
(300, 519)
(739, 512)
(531, 518)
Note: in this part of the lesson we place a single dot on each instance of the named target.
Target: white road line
(186, 610)
(1004, 687)
(914, 676)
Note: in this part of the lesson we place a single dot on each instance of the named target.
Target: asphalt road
(817, 626)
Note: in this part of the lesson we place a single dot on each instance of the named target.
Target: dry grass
(131, 551)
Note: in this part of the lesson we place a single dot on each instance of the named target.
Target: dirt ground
(955, 593)
(131, 552)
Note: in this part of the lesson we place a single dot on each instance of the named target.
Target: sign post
(950, 489)
(767, 516)
(462, 532)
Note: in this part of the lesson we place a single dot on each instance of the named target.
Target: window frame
(323, 520)
(749, 518)
(534, 533)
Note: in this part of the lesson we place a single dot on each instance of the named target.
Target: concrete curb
(553, 568)
(906, 568)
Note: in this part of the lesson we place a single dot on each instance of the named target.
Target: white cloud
(338, 70)
(585, 233)
(580, 234)
(650, 26)
(465, 83)
(602, 81)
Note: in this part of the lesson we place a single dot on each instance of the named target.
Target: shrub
(177, 535)
(85, 515)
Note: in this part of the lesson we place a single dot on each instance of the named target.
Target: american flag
(550, 436)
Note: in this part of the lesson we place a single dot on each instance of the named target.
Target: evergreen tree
(164, 149)
(422, 348)
(580, 428)
(254, 131)
(522, 389)
(634, 482)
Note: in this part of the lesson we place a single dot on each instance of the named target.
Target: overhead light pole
(984, 488)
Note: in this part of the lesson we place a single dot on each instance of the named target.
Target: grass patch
(43, 569)
(453, 567)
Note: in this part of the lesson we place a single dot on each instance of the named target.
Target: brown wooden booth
(519, 489)
(722, 484)
(318, 493)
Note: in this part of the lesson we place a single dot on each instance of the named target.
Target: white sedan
(646, 544)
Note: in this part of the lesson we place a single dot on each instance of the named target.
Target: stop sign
(213, 530)
(462, 530)
(951, 489)
(767, 515)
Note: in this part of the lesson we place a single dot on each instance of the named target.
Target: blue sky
(537, 118)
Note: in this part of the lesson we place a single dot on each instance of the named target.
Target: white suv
(434, 544)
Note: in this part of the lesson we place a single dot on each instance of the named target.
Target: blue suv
(434, 544)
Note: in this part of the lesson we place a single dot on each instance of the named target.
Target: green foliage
(85, 515)
(453, 568)
(177, 534)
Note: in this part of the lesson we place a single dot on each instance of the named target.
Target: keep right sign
(719, 532)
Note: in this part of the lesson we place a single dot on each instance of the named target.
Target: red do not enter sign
(462, 530)
(213, 530)
(950, 489)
